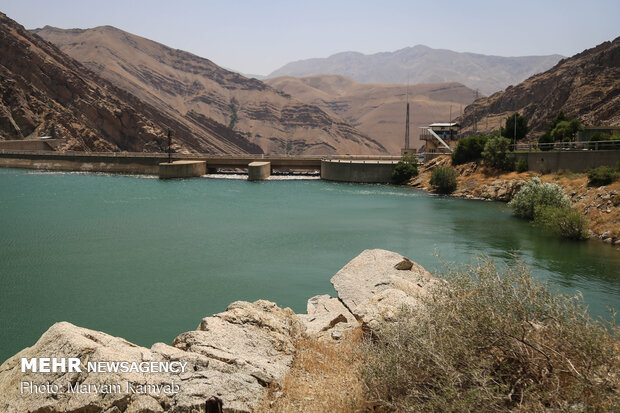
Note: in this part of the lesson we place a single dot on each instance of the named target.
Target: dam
(343, 168)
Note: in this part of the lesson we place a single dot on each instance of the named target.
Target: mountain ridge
(423, 64)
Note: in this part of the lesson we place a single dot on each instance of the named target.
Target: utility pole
(169, 147)
(515, 135)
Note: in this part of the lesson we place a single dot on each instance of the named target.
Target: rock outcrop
(233, 356)
(374, 290)
(231, 359)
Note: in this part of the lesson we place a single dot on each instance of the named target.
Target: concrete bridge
(350, 168)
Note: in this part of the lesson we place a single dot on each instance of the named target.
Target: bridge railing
(567, 146)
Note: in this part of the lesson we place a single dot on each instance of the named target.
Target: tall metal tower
(407, 121)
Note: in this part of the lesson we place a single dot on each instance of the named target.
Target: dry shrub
(494, 340)
(324, 377)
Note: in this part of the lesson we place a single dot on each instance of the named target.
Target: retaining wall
(357, 171)
(575, 161)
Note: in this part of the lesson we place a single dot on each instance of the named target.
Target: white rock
(374, 290)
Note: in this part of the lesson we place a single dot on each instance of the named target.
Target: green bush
(493, 340)
(544, 139)
(596, 137)
(443, 179)
(404, 171)
(603, 175)
(468, 149)
(521, 165)
(534, 194)
(562, 221)
(496, 154)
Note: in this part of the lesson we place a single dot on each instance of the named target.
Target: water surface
(146, 259)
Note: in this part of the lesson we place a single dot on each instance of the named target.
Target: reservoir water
(146, 259)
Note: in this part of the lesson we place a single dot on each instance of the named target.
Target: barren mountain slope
(45, 92)
(422, 64)
(586, 86)
(378, 110)
(181, 83)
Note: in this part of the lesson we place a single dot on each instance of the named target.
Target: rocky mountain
(378, 110)
(422, 64)
(45, 92)
(586, 86)
(187, 86)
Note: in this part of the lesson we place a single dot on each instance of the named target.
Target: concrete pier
(259, 171)
(362, 171)
(182, 169)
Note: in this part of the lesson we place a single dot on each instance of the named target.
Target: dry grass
(324, 378)
(495, 340)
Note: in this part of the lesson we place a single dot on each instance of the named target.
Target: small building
(440, 137)
(589, 131)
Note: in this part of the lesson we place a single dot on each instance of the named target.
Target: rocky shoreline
(229, 362)
(601, 205)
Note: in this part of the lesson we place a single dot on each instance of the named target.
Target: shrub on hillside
(468, 149)
(603, 175)
(535, 194)
(493, 340)
(562, 221)
(405, 170)
(443, 179)
(496, 154)
(521, 165)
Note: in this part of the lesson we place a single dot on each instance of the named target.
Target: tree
(496, 154)
(522, 127)
(468, 149)
(566, 130)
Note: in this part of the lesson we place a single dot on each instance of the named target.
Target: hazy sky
(257, 37)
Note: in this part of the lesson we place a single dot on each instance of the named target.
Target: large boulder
(250, 347)
(373, 288)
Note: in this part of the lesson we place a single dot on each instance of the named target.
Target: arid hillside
(187, 86)
(586, 86)
(378, 110)
(45, 92)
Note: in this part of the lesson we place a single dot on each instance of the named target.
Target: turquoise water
(146, 259)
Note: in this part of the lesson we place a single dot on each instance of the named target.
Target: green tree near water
(405, 170)
(496, 153)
